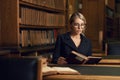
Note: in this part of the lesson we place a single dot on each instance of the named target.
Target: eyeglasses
(79, 25)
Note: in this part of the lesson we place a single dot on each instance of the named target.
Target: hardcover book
(78, 58)
(48, 70)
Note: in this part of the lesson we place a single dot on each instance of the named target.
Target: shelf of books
(37, 37)
(30, 23)
(110, 19)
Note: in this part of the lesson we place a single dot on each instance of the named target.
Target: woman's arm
(57, 58)
(57, 49)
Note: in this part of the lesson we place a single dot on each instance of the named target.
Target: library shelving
(31, 25)
(117, 18)
(93, 10)
(109, 22)
(110, 19)
(99, 15)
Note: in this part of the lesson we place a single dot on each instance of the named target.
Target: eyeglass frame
(79, 25)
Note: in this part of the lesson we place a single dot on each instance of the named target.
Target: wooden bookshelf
(117, 18)
(110, 20)
(29, 23)
(99, 15)
(0, 24)
(93, 10)
(110, 3)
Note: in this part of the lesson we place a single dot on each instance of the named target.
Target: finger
(61, 58)
(62, 62)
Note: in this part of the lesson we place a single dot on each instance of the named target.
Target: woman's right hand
(61, 60)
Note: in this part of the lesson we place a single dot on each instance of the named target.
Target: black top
(64, 46)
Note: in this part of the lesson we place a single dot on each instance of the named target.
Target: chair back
(113, 48)
(18, 69)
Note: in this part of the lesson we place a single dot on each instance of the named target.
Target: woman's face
(78, 26)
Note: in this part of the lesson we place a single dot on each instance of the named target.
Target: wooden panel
(4, 53)
(71, 7)
(90, 72)
(111, 4)
(10, 22)
(0, 23)
(93, 11)
(81, 77)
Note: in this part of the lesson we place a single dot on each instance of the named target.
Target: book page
(58, 70)
(85, 59)
(46, 70)
(93, 57)
(79, 55)
(65, 70)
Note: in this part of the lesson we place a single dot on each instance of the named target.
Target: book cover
(78, 58)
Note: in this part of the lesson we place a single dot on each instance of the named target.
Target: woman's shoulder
(85, 38)
(63, 35)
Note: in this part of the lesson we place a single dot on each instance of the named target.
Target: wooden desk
(81, 77)
(4, 52)
(111, 59)
(90, 72)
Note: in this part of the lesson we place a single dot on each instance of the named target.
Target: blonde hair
(77, 15)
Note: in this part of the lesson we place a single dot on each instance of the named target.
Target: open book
(47, 70)
(78, 58)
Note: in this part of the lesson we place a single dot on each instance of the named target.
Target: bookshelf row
(30, 16)
(31, 25)
(57, 4)
(109, 21)
(37, 37)
(118, 20)
(109, 12)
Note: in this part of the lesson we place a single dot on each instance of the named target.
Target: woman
(74, 40)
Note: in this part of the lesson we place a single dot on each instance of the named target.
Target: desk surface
(80, 77)
(90, 72)
(4, 52)
(110, 61)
